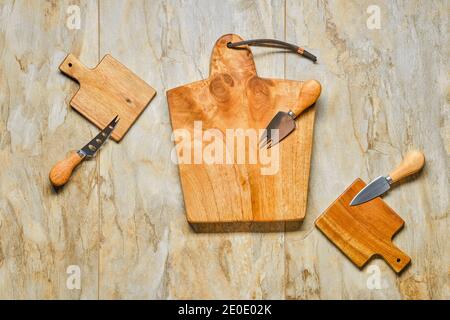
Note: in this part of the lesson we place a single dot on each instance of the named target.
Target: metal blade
(92, 147)
(374, 189)
(282, 122)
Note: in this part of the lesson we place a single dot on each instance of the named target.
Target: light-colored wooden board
(363, 231)
(139, 193)
(108, 90)
(236, 265)
(143, 219)
(234, 97)
(372, 111)
(44, 233)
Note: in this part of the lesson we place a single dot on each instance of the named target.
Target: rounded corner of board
(116, 139)
(193, 221)
(317, 222)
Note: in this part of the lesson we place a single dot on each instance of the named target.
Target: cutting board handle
(62, 170)
(309, 93)
(236, 62)
(411, 163)
(395, 257)
(73, 67)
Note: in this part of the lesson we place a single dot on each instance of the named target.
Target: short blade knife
(412, 163)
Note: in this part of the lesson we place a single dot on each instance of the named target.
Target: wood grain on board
(365, 230)
(234, 264)
(121, 219)
(45, 236)
(235, 97)
(372, 111)
(108, 90)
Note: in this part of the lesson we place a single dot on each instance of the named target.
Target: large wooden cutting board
(363, 231)
(234, 97)
(108, 90)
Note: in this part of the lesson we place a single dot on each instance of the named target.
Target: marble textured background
(121, 218)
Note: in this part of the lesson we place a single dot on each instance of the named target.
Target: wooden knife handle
(411, 163)
(309, 94)
(73, 67)
(61, 171)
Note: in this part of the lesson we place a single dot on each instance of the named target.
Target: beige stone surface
(121, 217)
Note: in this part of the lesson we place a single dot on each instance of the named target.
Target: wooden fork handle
(309, 93)
(411, 163)
(62, 170)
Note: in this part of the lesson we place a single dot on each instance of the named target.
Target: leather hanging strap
(273, 43)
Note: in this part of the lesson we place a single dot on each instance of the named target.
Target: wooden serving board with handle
(234, 97)
(365, 230)
(108, 90)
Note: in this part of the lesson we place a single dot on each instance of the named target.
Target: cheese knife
(61, 171)
(283, 123)
(412, 163)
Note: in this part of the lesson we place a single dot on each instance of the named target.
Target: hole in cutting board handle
(398, 259)
(70, 64)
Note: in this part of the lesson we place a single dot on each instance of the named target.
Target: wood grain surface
(363, 231)
(109, 89)
(121, 219)
(234, 97)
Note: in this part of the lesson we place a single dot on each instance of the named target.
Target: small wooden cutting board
(363, 231)
(108, 90)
